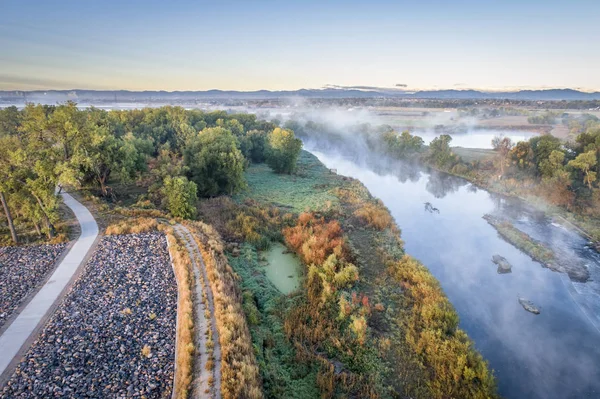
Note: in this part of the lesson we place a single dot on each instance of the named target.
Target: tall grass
(240, 376)
(133, 226)
(185, 318)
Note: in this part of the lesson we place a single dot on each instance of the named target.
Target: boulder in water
(503, 265)
(529, 306)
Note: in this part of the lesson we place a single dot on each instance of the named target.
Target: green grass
(265, 308)
(308, 189)
(473, 154)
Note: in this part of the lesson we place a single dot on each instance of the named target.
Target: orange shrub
(374, 215)
(314, 240)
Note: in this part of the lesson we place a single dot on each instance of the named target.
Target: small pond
(282, 268)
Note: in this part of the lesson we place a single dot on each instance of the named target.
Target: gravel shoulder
(114, 333)
(22, 270)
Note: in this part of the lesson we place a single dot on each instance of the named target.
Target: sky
(288, 45)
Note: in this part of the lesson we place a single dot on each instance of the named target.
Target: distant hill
(51, 96)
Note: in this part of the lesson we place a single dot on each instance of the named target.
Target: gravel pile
(114, 334)
(22, 269)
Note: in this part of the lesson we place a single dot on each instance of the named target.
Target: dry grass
(133, 226)
(374, 215)
(239, 371)
(185, 317)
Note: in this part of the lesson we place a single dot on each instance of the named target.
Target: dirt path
(19, 335)
(201, 387)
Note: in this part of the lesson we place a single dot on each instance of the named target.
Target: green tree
(283, 149)
(214, 162)
(257, 146)
(585, 162)
(440, 152)
(542, 147)
(180, 196)
(549, 167)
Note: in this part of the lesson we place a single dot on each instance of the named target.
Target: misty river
(551, 355)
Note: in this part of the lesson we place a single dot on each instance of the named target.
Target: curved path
(201, 387)
(16, 338)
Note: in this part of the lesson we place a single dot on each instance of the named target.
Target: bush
(374, 215)
(180, 196)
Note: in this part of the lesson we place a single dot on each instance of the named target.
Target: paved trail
(200, 385)
(15, 338)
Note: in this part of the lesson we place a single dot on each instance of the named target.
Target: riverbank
(361, 323)
(586, 226)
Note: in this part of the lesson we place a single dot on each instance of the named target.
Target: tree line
(178, 155)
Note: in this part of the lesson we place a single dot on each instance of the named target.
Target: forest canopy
(178, 155)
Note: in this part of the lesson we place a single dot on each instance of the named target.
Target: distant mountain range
(51, 96)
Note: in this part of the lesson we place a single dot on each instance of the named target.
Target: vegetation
(180, 196)
(521, 240)
(239, 372)
(368, 321)
(215, 162)
(185, 318)
(346, 332)
(547, 118)
(282, 151)
(167, 153)
(557, 175)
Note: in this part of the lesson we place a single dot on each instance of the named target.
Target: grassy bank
(369, 321)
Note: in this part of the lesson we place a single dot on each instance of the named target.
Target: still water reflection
(552, 355)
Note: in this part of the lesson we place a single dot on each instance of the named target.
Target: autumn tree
(502, 145)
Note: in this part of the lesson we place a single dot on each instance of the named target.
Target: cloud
(365, 88)
(30, 82)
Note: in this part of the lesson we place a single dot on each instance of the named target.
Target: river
(555, 354)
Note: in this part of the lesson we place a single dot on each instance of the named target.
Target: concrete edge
(27, 298)
(42, 323)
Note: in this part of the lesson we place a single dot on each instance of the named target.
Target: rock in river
(503, 265)
(529, 306)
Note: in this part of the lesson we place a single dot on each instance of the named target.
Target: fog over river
(555, 354)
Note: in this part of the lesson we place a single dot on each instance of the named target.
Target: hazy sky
(249, 45)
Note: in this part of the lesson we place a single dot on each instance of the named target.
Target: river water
(555, 354)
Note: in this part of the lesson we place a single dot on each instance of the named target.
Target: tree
(440, 152)
(585, 162)
(522, 155)
(257, 146)
(283, 149)
(542, 147)
(11, 226)
(214, 162)
(549, 167)
(502, 145)
(180, 196)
